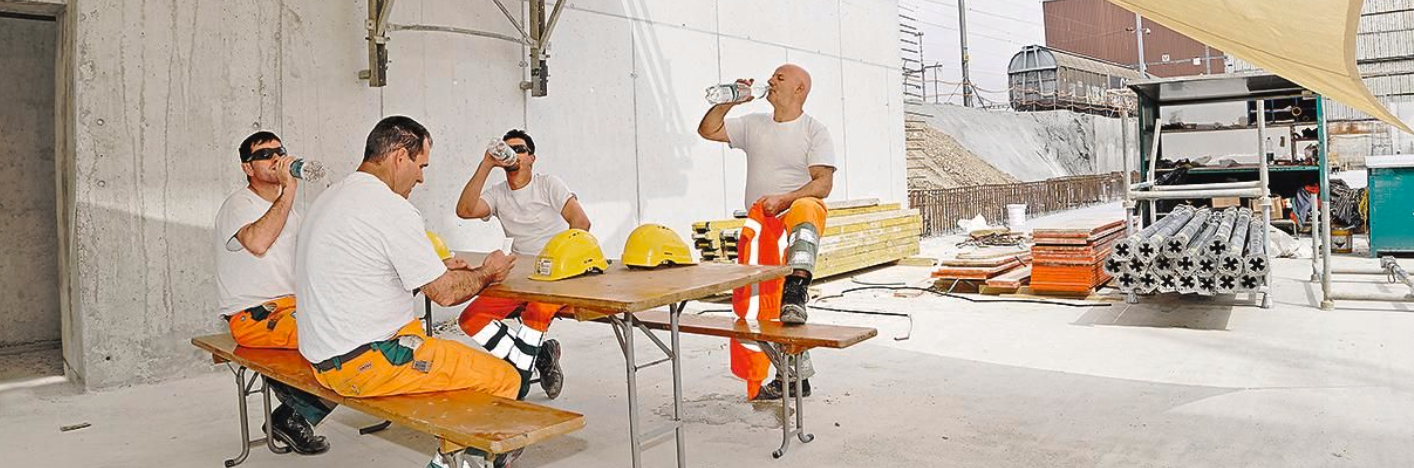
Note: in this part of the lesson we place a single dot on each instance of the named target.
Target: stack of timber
(1069, 258)
(1193, 251)
(989, 270)
(858, 234)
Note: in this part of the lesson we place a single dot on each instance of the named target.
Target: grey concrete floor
(1170, 382)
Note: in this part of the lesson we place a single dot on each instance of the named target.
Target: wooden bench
(793, 340)
(459, 419)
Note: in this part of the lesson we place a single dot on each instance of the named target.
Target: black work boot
(793, 298)
(773, 390)
(294, 431)
(547, 362)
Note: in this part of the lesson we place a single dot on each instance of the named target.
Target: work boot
(547, 362)
(294, 431)
(773, 390)
(793, 298)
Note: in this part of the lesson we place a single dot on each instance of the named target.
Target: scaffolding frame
(1142, 197)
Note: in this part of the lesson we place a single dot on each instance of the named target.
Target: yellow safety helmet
(653, 245)
(569, 254)
(441, 247)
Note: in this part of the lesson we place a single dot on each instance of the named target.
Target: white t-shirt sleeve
(822, 148)
(239, 212)
(408, 249)
(556, 192)
(492, 198)
(738, 132)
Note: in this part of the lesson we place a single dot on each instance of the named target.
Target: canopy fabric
(1310, 42)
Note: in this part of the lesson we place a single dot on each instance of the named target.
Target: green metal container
(1391, 184)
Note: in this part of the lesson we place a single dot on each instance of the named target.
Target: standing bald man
(790, 169)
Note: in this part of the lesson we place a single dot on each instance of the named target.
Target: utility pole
(1139, 37)
(962, 29)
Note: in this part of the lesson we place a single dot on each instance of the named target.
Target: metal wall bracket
(537, 39)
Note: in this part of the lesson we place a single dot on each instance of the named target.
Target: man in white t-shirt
(532, 209)
(363, 254)
(254, 239)
(790, 168)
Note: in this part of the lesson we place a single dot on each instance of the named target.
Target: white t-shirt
(779, 154)
(243, 279)
(531, 215)
(363, 250)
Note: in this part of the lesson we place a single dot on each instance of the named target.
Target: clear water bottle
(502, 153)
(306, 170)
(733, 92)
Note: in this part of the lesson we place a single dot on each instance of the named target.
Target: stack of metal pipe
(1193, 251)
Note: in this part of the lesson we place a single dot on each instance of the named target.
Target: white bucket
(1016, 216)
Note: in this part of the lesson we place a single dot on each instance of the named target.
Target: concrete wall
(164, 90)
(28, 245)
(1034, 146)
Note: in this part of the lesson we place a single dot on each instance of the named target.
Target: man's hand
(749, 96)
(282, 172)
(497, 266)
(497, 163)
(774, 204)
(456, 263)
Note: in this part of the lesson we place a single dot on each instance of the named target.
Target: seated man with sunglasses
(255, 240)
(532, 209)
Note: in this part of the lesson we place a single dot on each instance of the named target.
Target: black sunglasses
(267, 153)
(521, 149)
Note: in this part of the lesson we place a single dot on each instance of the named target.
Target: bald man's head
(790, 85)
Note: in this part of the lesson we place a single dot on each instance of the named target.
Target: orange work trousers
(436, 365)
(275, 330)
(483, 321)
(764, 241)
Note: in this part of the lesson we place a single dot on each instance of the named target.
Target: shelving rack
(1142, 197)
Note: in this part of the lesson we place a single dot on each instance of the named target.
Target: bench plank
(463, 418)
(800, 336)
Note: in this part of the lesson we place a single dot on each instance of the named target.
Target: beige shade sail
(1310, 42)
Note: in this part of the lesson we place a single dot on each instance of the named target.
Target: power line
(984, 12)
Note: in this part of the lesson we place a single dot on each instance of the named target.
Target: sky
(996, 30)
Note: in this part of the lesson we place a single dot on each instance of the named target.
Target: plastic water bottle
(502, 153)
(733, 92)
(310, 171)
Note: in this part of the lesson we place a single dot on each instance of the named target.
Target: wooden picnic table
(620, 292)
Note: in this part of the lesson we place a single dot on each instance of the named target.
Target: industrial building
(1100, 29)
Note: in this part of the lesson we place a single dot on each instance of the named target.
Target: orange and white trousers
(484, 321)
(764, 241)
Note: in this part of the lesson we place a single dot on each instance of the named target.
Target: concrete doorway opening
(31, 334)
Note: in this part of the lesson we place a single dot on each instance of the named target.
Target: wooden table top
(622, 289)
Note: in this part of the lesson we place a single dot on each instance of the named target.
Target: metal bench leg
(241, 392)
(791, 377)
(269, 427)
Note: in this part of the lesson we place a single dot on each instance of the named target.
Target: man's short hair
(252, 140)
(392, 133)
(518, 133)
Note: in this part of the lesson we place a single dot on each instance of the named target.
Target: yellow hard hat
(569, 254)
(652, 245)
(441, 247)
